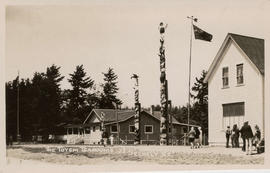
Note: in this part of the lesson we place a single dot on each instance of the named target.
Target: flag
(201, 34)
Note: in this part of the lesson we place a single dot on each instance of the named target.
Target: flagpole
(189, 74)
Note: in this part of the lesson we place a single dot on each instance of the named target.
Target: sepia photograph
(135, 85)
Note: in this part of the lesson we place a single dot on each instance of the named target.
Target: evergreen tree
(78, 104)
(200, 107)
(11, 108)
(53, 92)
(110, 89)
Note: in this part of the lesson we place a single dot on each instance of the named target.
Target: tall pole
(163, 89)
(137, 110)
(18, 108)
(117, 124)
(189, 74)
(171, 125)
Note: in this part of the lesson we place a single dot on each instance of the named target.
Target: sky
(124, 35)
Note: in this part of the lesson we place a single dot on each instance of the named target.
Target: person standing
(248, 135)
(200, 137)
(233, 136)
(228, 134)
(236, 136)
(191, 136)
(243, 138)
(111, 139)
(257, 136)
(197, 138)
(104, 137)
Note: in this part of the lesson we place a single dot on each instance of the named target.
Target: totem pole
(163, 89)
(137, 111)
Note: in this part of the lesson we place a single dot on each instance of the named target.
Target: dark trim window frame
(147, 129)
(131, 129)
(239, 74)
(87, 130)
(225, 77)
(114, 128)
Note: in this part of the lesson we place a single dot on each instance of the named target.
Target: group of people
(249, 139)
(195, 137)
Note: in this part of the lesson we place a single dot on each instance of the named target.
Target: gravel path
(130, 155)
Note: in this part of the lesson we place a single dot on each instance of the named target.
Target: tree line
(43, 105)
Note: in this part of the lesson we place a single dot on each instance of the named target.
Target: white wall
(250, 93)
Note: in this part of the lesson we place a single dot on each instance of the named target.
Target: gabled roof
(109, 115)
(157, 115)
(251, 46)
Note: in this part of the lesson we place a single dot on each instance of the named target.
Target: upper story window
(239, 74)
(225, 76)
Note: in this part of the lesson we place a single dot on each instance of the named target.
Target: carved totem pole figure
(163, 89)
(137, 110)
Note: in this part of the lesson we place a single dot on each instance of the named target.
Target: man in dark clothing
(228, 134)
(243, 139)
(247, 133)
(237, 137)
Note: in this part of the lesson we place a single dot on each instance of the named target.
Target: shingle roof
(110, 114)
(253, 48)
(157, 115)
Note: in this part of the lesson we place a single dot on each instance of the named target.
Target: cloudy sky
(124, 35)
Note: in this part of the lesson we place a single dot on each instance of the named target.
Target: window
(114, 129)
(148, 129)
(87, 130)
(69, 131)
(75, 131)
(94, 128)
(234, 109)
(225, 76)
(131, 128)
(239, 74)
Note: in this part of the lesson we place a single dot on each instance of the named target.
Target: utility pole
(163, 89)
(18, 109)
(137, 110)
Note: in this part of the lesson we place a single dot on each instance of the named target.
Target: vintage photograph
(139, 84)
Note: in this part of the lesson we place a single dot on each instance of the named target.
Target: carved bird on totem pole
(134, 76)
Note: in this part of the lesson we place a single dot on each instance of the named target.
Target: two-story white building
(236, 86)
